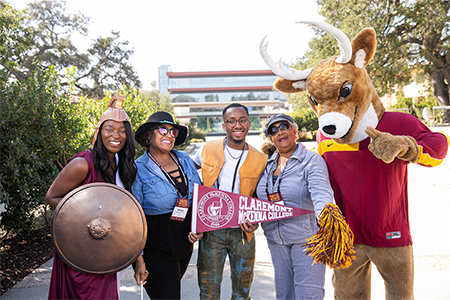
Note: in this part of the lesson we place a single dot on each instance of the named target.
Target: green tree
(37, 123)
(307, 122)
(105, 66)
(298, 101)
(410, 34)
(42, 129)
(138, 104)
(159, 101)
(15, 38)
(303, 115)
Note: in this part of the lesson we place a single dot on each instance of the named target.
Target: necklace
(229, 152)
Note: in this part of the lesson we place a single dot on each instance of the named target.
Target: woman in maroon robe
(111, 160)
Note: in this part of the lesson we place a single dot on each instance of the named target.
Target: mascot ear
(364, 46)
(289, 86)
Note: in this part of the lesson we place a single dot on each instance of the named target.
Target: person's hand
(140, 272)
(248, 227)
(193, 237)
(319, 217)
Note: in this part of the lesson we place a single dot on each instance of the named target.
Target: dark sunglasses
(283, 126)
(164, 131)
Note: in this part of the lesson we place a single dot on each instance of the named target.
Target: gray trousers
(295, 276)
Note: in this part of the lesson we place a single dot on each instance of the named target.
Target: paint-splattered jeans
(212, 253)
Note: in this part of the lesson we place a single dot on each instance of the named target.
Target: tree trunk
(440, 89)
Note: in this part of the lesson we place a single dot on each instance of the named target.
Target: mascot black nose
(329, 129)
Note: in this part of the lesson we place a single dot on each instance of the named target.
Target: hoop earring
(148, 142)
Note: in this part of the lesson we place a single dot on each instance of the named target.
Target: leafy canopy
(411, 35)
(41, 36)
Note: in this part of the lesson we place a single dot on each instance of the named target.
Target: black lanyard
(237, 166)
(279, 178)
(180, 169)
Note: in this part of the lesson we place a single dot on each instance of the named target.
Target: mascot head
(339, 89)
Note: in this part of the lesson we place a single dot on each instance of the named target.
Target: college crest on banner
(214, 209)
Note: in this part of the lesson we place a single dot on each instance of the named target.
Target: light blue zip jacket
(304, 184)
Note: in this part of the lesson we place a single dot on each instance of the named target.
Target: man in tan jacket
(231, 165)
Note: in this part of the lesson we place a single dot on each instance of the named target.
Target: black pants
(164, 278)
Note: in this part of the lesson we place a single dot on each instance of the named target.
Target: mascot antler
(339, 89)
(292, 74)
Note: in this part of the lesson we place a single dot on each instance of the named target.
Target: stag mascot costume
(367, 151)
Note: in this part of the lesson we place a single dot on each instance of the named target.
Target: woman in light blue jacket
(164, 187)
(296, 177)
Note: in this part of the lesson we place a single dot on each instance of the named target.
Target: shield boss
(99, 228)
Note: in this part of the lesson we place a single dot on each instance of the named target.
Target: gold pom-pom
(333, 243)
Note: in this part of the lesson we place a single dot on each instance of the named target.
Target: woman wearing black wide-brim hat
(160, 118)
(165, 181)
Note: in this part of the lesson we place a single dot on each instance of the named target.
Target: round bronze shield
(99, 228)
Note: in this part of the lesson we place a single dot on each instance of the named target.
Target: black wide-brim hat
(161, 118)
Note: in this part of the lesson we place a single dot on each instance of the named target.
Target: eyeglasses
(282, 127)
(233, 122)
(164, 131)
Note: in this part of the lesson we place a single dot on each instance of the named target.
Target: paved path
(429, 198)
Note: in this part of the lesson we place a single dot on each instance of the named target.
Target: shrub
(36, 123)
(195, 135)
(41, 130)
(307, 122)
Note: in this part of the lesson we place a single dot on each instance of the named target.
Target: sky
(198, 35)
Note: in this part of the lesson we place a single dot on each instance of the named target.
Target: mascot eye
(345, 91)
(313, 101)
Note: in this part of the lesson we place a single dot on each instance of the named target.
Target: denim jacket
(152, 189)
(304, 184)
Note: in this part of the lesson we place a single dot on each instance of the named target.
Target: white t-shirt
(227, 173)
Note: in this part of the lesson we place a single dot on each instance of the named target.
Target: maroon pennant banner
(214, 209)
